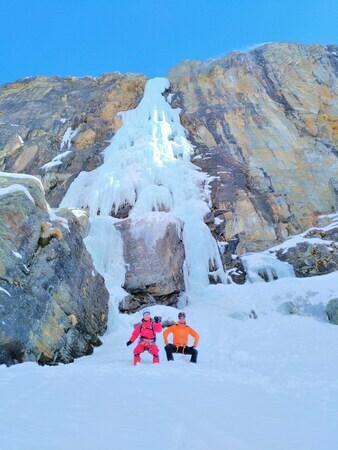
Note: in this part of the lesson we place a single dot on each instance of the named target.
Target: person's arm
(195, 335)
(157, 326)
(135, 333)
(166, 333)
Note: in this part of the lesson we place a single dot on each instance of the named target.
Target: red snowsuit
(147, 330)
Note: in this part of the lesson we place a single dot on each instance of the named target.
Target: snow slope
(266, 384)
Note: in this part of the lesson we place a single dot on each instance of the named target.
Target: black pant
(170, 349)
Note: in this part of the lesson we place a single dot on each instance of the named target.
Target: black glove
(157, 319)
(128, 343)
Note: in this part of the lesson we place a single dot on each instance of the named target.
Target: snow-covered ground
(268, 383)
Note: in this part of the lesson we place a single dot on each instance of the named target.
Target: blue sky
(84, 37)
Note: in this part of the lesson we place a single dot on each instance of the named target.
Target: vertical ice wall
(147, 165)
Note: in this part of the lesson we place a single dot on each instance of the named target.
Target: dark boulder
(53, 303)
(154, 256)
(332, 311)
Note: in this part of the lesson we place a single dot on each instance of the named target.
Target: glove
(157, 319)
(128, 343)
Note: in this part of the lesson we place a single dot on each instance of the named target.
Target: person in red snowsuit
(147, 330)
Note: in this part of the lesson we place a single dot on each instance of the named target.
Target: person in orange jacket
(181, 332)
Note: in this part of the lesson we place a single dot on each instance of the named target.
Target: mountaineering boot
(156, 359)
(137, 359)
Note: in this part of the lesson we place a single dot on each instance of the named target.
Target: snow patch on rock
(16, 188)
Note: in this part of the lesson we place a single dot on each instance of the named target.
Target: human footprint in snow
(146, 330)
(181, 332)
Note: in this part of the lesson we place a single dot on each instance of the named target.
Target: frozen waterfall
(147, 165)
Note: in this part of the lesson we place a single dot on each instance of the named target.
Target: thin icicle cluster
(147, 166)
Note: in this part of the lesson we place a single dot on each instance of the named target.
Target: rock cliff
(53, 303)
(41, 117)
(263, 123)
(265, 126)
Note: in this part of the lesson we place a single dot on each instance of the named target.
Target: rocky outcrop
(53, 304)
(316, 253)
(32, 184)
(154, 256)
(332, 311)
(265, 126)
(309, 260)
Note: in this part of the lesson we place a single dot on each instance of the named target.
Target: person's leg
(137, 351)
(193, 352)
(154, 350)
(170, 349)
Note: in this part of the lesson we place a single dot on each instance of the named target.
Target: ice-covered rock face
(147, 167)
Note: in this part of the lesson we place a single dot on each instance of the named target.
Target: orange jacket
(180, 335)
